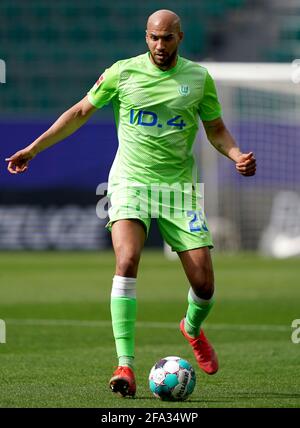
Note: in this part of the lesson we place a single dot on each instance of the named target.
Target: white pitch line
(144, 324)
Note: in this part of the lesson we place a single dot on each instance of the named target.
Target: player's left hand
(246, 164)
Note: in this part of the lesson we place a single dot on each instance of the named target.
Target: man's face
(163, 46)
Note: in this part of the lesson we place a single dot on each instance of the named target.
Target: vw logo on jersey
(184, 90)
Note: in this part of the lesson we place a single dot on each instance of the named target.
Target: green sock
(198, 309)
(123, 314)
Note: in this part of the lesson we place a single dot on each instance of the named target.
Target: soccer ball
(172, 379)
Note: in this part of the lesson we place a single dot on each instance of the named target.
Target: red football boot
(123, 382)
(205, 354)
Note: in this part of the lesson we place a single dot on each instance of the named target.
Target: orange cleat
(205, 354)
(123, 382)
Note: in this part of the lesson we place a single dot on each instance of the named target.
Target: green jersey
(157, 116)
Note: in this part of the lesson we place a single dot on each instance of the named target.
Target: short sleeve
(209, 108)
(105, 88)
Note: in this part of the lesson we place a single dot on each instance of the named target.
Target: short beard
(167, 62)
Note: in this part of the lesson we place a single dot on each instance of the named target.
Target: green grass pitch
(60, 351)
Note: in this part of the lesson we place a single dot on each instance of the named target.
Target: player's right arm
(65, 125)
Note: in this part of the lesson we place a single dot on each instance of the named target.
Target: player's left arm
(223, 141)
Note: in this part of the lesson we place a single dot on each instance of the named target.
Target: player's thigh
(190, 237)
(198, 266)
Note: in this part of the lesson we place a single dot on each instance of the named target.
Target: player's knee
(204, 290)
(203, 284)
(127, 265)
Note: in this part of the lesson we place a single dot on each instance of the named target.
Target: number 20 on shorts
(197, 222)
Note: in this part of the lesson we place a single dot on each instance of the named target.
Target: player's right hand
(19, 161)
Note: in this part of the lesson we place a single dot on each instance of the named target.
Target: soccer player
(158, 98)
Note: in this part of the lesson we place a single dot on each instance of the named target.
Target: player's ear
(181, 35)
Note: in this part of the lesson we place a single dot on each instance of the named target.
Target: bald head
(163, 37)
(165, 19)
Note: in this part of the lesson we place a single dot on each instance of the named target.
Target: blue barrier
(82, 161)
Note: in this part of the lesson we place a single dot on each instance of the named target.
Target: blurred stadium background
(54, 52)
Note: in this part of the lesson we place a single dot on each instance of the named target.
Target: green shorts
(187, 231)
